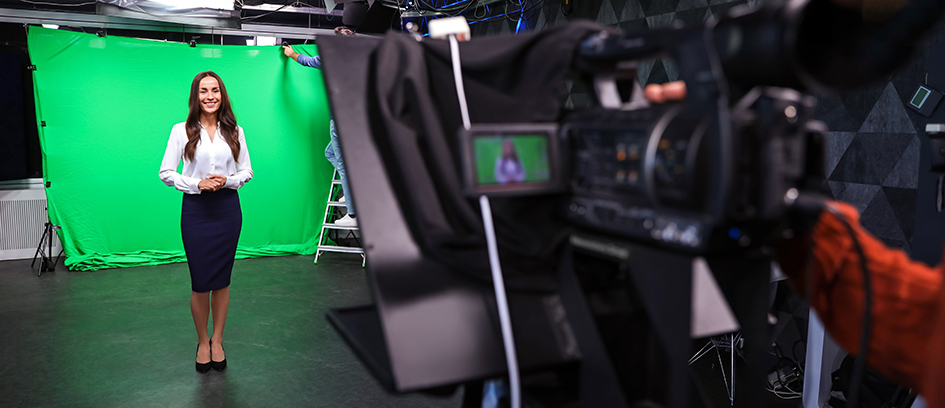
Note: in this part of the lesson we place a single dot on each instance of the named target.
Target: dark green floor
(125, 338)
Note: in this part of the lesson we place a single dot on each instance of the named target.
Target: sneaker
(346, 221)
(342, 199)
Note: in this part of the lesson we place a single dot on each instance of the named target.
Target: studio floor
(125, 338)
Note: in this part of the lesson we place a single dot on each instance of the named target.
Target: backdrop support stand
(47, 263)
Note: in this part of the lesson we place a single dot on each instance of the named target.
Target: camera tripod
(47, 263)
(733, 343)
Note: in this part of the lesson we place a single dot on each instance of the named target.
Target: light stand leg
(44, 259)
(50, 268)
(731, 394)
(39, 248)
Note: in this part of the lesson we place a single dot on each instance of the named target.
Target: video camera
(715, 171)
(689, 179)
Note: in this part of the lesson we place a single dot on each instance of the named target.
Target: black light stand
(47, 263)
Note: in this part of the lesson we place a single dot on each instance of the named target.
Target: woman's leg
(200, 308)
(220, 300)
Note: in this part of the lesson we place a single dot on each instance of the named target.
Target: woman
(508, 167)
(216, 164)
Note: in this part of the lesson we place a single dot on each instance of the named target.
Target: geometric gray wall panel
(835, 144)
(855, 194)
(871, 157)
(906, 172)
(888, 114)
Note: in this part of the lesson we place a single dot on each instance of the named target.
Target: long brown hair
(224, 115)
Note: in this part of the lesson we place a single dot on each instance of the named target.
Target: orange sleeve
(907, 295)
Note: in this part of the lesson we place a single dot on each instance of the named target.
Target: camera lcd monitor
(517, 159)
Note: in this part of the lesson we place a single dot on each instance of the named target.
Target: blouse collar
(201, 124)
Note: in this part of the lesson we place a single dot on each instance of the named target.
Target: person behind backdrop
(333, 150)
(508, 167)
(216, 164)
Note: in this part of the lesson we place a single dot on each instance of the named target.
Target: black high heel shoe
(217, 365)
(202, 368)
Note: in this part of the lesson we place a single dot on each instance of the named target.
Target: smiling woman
(216, 164)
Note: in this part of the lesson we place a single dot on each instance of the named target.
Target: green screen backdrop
(108, 104)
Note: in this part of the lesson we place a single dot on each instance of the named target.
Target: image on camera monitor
(508, 159)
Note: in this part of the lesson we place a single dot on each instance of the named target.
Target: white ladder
(328, 224)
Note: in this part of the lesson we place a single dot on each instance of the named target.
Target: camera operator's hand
(289, 52)
(671, 91)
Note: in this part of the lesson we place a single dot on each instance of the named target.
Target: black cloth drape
(415, 117)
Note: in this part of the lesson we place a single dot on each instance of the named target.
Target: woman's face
(209, 95)
(508, 149)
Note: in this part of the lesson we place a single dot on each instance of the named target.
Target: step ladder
(335, 209)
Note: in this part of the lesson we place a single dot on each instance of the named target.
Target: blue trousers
(333, 154)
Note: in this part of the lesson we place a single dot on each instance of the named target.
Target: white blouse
(210, 158)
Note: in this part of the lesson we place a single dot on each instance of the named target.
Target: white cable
(505, 321)
(458, 76)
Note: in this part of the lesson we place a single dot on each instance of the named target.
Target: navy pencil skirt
(210, 225)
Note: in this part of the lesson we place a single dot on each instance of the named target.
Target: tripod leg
(52, 268)
(61, 251)
(39, 247)
(36, 254)
(703, 351)
(732, 375)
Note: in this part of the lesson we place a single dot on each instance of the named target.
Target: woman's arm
(520, 174)
(499, 172)
(172, 156)
(244, 169)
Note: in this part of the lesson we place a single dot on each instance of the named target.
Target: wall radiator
(22, 215)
